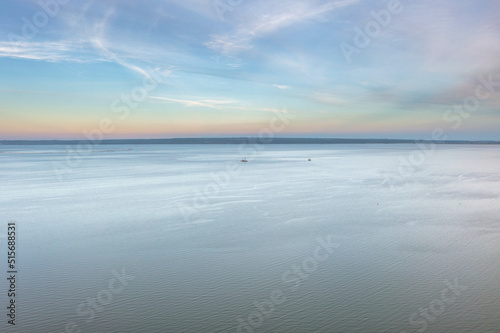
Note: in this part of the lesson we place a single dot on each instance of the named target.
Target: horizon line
(247, 139)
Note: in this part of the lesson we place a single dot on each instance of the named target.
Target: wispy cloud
(46, 51)
(259, 25)
(99, 42)
(281, 86)
(209, 103)
(219, 104)
(87, 42)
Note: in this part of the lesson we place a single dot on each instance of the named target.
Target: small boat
(243, 160)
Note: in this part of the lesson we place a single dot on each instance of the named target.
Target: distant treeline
(250, 140)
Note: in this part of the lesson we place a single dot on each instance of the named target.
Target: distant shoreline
(239, 140)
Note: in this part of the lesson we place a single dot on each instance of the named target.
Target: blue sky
(194, 68)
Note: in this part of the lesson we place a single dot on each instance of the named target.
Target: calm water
(203, 243)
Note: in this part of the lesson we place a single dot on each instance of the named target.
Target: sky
(83, 69)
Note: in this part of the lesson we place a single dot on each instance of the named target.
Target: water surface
(209, 240)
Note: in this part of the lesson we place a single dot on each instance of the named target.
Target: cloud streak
(211, 104)
(262, 23)
(46, 51)
(214, 104)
